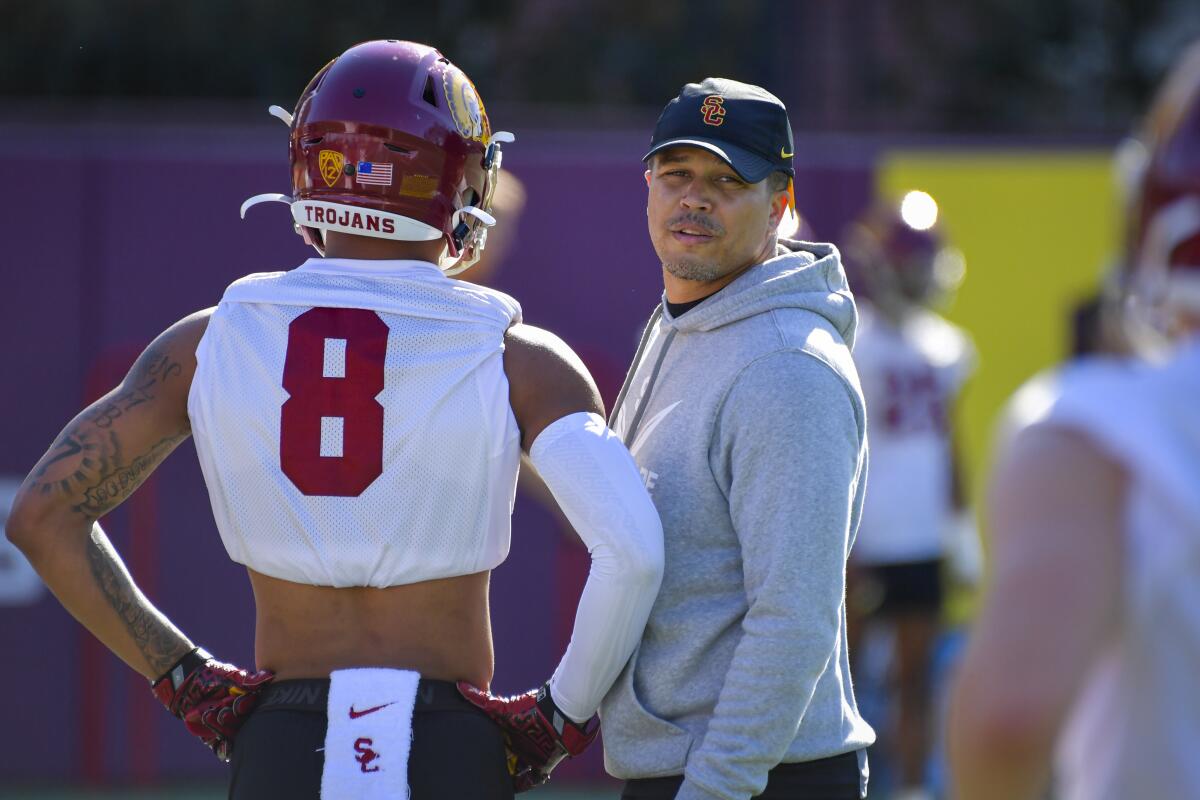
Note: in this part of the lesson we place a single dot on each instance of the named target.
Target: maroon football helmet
(391, 140)
(895, 252)
(1162, 263)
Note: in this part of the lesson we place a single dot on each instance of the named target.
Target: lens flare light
(919, 210)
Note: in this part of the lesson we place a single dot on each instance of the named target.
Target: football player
(1089, 635)
(913, 364)
(359, 421)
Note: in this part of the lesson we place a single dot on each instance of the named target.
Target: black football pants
(457, 752)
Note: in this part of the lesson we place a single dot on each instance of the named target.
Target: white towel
(369, 735)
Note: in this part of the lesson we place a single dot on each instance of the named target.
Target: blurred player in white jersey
(1089, 638)
(913, 364)
(359, 421)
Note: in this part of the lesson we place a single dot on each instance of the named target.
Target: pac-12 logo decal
(466, 109)
(713, 109)
(331, 163)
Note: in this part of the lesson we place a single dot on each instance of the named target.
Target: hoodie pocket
(638, 744)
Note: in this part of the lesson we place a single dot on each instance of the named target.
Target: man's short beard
(695, 270)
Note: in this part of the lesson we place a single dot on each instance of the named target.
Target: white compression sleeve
(597, 485)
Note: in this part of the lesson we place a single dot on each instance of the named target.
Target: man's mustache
(694, 220)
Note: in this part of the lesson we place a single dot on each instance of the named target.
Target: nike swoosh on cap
(783, 154)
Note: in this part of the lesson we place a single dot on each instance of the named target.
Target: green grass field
(218, 793)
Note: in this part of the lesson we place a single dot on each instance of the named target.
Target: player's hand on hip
(212, 698)
(537, 735)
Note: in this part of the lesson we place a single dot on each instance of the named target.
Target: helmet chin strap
(474, 211)
(473, 240)
(469, 240)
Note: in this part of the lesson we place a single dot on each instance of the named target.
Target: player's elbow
(23, 522)
(640, 555)
(29, 521)
(646, 570)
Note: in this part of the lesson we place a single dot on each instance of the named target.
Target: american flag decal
(374, 173)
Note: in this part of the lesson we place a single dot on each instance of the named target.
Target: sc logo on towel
(362, 746)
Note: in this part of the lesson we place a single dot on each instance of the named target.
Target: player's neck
(344, 245)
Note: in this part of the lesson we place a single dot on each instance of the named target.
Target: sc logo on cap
(713, 110)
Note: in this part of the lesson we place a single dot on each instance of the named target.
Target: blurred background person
(508, 206)
(916, 523)
(1089, 636)
(1094, 332)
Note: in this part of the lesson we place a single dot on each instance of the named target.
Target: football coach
(744, 413)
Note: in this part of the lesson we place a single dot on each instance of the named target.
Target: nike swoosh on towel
(356, 714)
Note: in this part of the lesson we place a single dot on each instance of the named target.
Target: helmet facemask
(470, 223)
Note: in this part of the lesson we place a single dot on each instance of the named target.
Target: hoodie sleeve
(788, 446)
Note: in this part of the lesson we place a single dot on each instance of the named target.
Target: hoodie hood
(804, 275)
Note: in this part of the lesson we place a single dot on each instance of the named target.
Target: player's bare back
(439, 628)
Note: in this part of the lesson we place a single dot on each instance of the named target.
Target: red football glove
(212, 698)
(537, 735)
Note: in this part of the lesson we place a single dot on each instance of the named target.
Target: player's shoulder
(1089, 394)
(547, 380)
(253, 287)
(255, 278)
(186, 333)
(487, 296)
(1139, 414)
(538, 355)
(1095, 380)
(1101, 397)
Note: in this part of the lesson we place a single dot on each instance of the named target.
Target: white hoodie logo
(649, 427)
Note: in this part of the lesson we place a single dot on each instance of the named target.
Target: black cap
(744, 124)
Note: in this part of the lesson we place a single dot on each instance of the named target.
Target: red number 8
(350, 397)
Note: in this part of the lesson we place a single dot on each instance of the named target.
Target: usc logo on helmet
(466, 109)
(330, 163)
(713, 110)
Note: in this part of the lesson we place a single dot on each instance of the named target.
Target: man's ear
(779, 205)
(647, 177)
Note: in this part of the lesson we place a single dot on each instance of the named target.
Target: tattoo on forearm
(160, 643)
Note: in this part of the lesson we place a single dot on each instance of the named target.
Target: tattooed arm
(98, 460)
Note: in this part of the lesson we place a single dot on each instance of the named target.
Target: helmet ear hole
(429, 96)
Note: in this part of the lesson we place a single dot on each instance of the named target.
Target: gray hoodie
(746, 419)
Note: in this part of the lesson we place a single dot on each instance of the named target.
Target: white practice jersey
(1136, 720)
(911, 376)
(353, 423)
